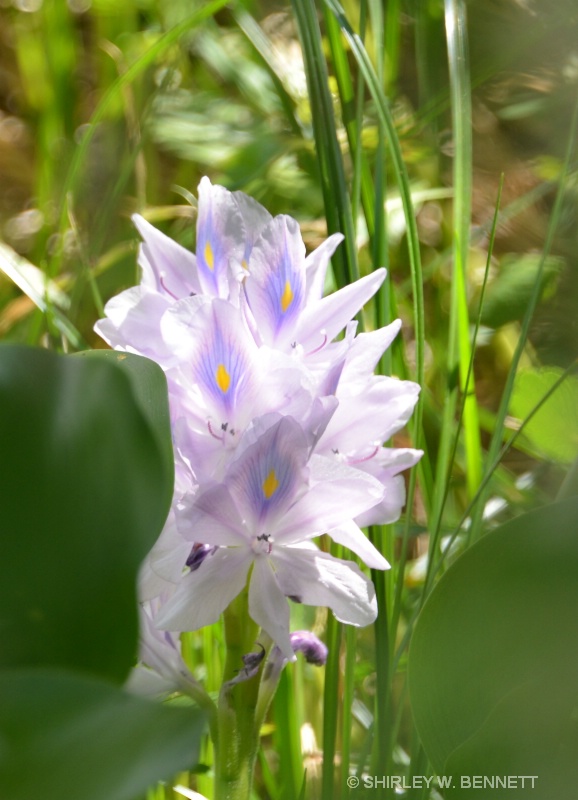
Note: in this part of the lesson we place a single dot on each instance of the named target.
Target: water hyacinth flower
(273, 500)
(279, 429)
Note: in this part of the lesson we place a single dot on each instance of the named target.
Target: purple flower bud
(198, 555)
(313, 649)
(251, 662)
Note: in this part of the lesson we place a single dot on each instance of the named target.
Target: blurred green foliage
(107, 108)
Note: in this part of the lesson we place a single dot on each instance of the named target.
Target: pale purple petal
(275, 286)
(337, 492)
(370, 417)
(220, 238)
(319, 579)
(169, 553)
(349, 535)
(203, 595)
(150, 583)
(133, 323)
(167, 267)
(211, 518)
(312, 648)
(386, 465)
(322, 321)
(366, 350)
(316, 265)
(267, 476)
(268, 606)
(255, 219)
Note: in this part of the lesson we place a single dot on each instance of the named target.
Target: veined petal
(370, 416)
(204, 594)
(318, 579)
(267, 476)
(351, 536)
(220, 237)
(132, 323)
(169, 553)
(316, 265)
(385, 466)
(336, 491)
(167, 267)
(275, 285)
(268, 606)
(255, 219)
(150, 584)
(366, 350)
(211, 518)
(218, 359)
(323, 320)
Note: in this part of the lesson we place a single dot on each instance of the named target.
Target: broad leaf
(508, 296)
(66, 736)
(82, 498)
(553, 430)
(150, 390)
(493, 666)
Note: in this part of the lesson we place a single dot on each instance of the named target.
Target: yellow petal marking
(209, 258)
(286, 297)
(270, 484)
(223, 378)
(245, 265)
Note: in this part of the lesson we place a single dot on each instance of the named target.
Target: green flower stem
(237, 738)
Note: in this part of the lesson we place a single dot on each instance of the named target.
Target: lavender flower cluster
(278, 427)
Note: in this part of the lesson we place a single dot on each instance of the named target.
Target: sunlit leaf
(553, 430)
(508, 296)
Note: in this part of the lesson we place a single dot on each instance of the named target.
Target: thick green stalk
(237, 738)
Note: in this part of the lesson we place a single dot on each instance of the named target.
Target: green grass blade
(112, 94)
(331, 705)
(459, 351)
(493, 457)
(335, 192)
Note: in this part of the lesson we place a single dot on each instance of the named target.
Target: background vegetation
(438, 136)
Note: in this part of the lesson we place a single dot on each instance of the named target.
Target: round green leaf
(493, 665)
(82, 498)
(149, 386)
(70, 736)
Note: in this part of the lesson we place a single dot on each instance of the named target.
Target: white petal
(337, 491)
(146, 683)
(349, 535)
(316, 267)
(133, 321)
(204, 594)
(319, 579)
(366, 350)
(369, 417)
(169, 553)
(255, 218)
(386, 465)
(211, 518)
(172, 268)
(331, 314)
(268, 606)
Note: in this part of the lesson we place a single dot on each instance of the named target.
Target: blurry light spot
(29, 6)
(79, 6)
